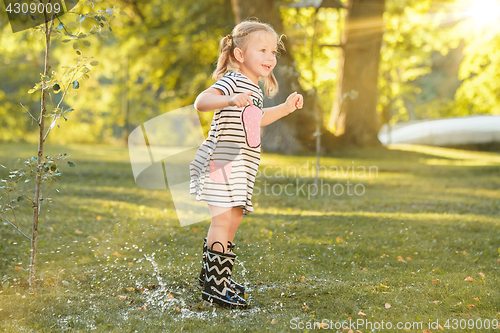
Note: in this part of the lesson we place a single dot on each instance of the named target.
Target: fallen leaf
(78, 232)
(122, 298)
(19, 268)
(131, 288)
(321, 325)
(387, 306)
(350, 331)
(339, 239)
(436, 281)
(408, 258)
(383, 286)
(130, 264)
(99, 217)
(383, 255)
(476, 299)
(272, 321)
(169, 296)
(177, 308)
(481, 275)
(400, 259)
(440, 327)
(117, 254)
(305, 307)
(470, 305)
(469, 279)
(426, 331)
(361, 314)
(435, 302)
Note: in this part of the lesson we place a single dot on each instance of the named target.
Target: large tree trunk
(354, 115)
(293, 133)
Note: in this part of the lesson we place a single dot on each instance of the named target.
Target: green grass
(426, 214)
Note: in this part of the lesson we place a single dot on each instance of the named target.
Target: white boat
(444, 132)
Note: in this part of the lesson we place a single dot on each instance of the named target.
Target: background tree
(53, 88)
(354, 117)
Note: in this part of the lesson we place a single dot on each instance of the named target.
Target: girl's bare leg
(219, 227)
(237, 215)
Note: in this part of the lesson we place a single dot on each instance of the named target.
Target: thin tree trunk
(125, 99)
(38, 191)
(354, 115)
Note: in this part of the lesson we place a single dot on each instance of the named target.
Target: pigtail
(225, 54)
(270, 85)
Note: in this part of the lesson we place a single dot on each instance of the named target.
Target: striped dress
(224, 169)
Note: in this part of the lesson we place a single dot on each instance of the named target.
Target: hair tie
(229, 39)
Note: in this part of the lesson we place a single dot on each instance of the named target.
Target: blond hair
(239, 38)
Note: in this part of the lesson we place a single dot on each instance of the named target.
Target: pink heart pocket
(220, 172)
(251, 118)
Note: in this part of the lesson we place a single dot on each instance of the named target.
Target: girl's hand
(240, 100)
(293, 102)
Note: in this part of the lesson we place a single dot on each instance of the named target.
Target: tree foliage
(161, 54)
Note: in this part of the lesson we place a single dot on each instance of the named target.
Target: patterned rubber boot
(201, 279)
(217, 288)
(236, 286)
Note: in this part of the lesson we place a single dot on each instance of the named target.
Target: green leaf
(75, 45)
(19, 199)
(65, 118)
(53, 167)
(67, 40)
(76, 85)
(81, 18)
(94, 63)
(78, 52)
(56, 88)
(34, 159)
(60, 26)
(86, 43)
(71, 164)
(69, 110)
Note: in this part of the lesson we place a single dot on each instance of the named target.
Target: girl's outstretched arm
(213, 99)
(293, 102)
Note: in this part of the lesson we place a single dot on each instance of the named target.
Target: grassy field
(113, 257)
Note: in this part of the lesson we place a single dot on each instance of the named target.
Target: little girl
(223, 171)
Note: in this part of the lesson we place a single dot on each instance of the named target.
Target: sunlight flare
(484, 11)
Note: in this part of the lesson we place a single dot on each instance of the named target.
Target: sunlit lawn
(113, 257)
